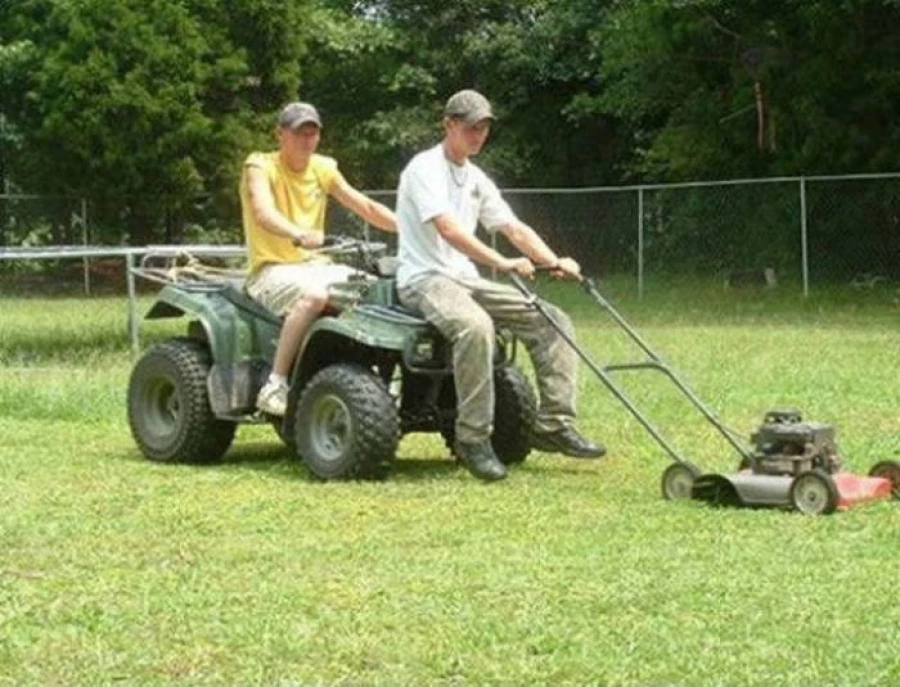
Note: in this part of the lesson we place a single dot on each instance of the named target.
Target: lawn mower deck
(816, 494)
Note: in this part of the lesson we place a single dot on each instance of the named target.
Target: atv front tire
(168, 405)
(346, 424)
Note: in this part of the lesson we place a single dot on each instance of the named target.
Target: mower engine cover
(787, 446)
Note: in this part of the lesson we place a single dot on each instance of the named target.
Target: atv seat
(235, 293)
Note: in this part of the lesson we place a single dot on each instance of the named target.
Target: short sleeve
(257, 160)
(426, 190)
(493, 211)
(327, 172)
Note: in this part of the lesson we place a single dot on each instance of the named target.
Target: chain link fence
(802, 232)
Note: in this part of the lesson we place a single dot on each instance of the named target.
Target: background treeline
(146, 106)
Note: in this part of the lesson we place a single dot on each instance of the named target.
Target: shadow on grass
(275, 459)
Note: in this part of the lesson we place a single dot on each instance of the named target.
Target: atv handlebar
(340, 245)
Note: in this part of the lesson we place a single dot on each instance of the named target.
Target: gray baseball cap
(468, 105)
(296, 115)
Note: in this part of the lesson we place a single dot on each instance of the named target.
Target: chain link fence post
(640, 243)
(804, 239)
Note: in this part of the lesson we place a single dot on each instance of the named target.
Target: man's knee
(561, 318)
(312, 301)
(476, 324)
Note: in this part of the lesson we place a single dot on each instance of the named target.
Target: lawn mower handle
(654, 363)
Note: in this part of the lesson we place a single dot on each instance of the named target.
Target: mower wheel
(168, 405)
(889, 470)
(346, 424)
(678, 481)
(814, 493)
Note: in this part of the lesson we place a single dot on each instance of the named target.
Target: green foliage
(405, 58)
(691, 79)
(145, 105)
(142, 106)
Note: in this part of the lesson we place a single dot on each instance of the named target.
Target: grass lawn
(117, 570)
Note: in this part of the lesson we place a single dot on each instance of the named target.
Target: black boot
(481, 460)
(568, 442)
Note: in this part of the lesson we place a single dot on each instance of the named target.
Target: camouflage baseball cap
(296, 115)
(468, 105)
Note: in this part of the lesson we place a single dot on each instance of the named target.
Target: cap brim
(476, 117)
(304, 120)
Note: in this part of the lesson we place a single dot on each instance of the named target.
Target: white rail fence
(131, 256)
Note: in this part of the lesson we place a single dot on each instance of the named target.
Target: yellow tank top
(301, 197)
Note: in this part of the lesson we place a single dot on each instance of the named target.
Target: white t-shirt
(432, 185)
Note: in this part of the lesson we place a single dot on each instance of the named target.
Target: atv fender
(241, 336)
(374, 326)
(229, 330)
(360, 334)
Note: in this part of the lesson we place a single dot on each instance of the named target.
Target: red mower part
(855, 489)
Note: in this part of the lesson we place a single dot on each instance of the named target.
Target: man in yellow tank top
(284, 194)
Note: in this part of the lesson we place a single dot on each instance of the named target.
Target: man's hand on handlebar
(567, 268)
(309, 239)
(521, 266)
(563, 268)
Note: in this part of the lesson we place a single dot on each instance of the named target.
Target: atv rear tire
(515, 410)
(168, 405)
(346, 424)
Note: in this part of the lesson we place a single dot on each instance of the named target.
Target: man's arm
(527, 240)
(370, 210)
(267, 215)
(451, 231)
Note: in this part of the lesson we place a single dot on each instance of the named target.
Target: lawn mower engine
(796, 464)
(785, 445)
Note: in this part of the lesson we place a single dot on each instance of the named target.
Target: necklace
(460, 180)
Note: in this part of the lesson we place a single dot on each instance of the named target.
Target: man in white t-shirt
(440, 201)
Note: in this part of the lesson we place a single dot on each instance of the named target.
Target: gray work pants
(465, 311)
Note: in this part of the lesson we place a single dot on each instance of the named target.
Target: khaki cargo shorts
(278, 286)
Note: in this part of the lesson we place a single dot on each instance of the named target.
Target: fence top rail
(702, 184)
(595, 189)
(63, 252)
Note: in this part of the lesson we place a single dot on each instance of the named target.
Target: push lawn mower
(793, 464)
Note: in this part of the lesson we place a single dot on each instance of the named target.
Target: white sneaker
(272, 399)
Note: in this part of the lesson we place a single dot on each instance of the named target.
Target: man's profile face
(469, 137)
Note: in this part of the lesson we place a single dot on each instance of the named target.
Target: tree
(383, 68)
(142, 105)
(724, 88)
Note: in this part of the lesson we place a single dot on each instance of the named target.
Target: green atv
(369, 371)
